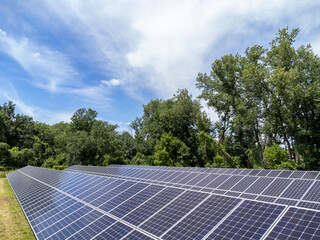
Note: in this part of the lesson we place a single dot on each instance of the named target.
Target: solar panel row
(270, 188)
(74, 205)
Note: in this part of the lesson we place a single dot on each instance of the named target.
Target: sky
(57, 56)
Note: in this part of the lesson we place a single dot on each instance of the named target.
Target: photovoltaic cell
(249, 221)
(117, 200)
(219, 180)
(274, 173)
(136, 201)
(230, 182)
(297, 189)
(161, 210)
(244, 183)
(298, 224)
(277, 187)
(310, 205)
(94, 228)
(297, 174)
(207, 180)
(116, 231)
(260, 185)
(70, 225)
(150, 207)
(110, 194)
(285, 174)
(310, 175)
(199, 222)
(168, 216)
(135, 235)
(314, 193)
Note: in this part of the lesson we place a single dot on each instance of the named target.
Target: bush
(2, 169)
(59, 167)
(275, 155)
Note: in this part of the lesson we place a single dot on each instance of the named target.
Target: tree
(83, 119)
(265, 97)
(170, 151)
(178, 116)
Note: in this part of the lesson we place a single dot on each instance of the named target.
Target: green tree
(170, 151)
(83, 119)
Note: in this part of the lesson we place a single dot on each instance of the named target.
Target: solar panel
(298, 224)
(198, 223)
(141, 202)
(164, 218)
(249, 221)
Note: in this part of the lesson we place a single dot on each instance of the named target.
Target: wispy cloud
(111, 83)
(9, 93)
(146, 48)
(162, 46)
(49, 69)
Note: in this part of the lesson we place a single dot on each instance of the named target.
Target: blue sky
(57, 56)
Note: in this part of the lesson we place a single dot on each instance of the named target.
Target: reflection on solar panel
(140, 202)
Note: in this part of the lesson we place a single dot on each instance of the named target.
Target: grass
(13, 223)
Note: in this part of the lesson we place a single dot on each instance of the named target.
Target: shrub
(275, 155)
(59, 167)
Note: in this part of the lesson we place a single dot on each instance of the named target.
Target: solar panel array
(140, 202)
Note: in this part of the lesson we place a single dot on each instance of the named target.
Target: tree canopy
(267, 100)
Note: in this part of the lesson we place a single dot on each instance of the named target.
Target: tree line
(267, 100)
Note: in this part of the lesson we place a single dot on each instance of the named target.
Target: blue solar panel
(74, 205)
(153, 205)
(136, 201)
(116, 231)
(160, 222)
(250, 220)
(200, 221)
(120, 198)
(313, 193)
(297, 189)
(297, 224)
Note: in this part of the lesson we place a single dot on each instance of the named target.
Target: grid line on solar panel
(71, 226)
(244, 183)
(47, 233)
(134, 202)
(202, 219)
(232, 194)
(65, 210)
(313, 193)
(152, 206)
(123, 197)
(135, 235)
(161, 220)
(250, 220)
(94, 228)
(296, 189)
(115, 231)
(298, 224)
(195, 175)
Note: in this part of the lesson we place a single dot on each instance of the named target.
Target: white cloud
(50, 69)
(2, 32)
(9, 93)
(112, 82)
(161, 46)
(153, 46)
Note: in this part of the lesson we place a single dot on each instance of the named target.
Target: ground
(13, 223)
